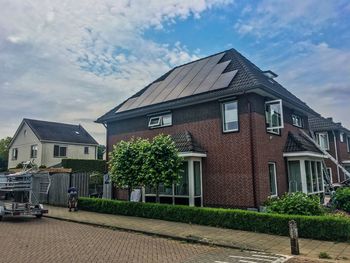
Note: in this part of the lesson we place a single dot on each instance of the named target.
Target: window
(330, 174)
(273, 179)
(59, 151)
(33, 151)
(181, 188)
(160, 121)
(197, 178)
(86, 150)
(348, 143)
(274, 115)
(230, 116)
(297, 120)
(322, 140)
(14, 154)
(314, 176)
(294, 176)
(341, 137)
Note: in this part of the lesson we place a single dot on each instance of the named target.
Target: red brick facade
(235, 171)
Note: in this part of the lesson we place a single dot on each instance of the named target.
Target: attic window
(160, 121)
(274, 115)
(297, 120)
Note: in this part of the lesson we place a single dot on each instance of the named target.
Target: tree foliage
(4, 148)
(139, 162)
(101, 149)
(162, 164)
(127, 162)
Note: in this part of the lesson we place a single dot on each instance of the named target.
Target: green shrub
(317, 227)
(324, 255)
(296, 204)
(78, 165)
(341, 199)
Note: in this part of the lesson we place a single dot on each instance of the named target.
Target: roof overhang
(305, 154)
(72, 143)
(192, 154)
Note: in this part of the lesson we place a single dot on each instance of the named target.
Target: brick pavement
(226, 237)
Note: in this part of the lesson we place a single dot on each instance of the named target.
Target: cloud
(319, 74)
(71, 61)
(272, 18)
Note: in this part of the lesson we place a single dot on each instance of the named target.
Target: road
(50, 240)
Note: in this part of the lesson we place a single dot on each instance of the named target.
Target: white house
(47, 143)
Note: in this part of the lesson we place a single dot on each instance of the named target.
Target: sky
(72, 61)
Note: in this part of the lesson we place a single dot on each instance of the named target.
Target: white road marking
(247, 261)
(269, 260)
(263, 256)
(221, 262)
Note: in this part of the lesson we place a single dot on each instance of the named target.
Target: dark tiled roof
(247, 77)
(185, 143)
(297, 142)
(60, 132)
(318, 123)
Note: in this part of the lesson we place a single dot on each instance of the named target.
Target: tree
(127, 163)
(101, 149)
(96, 178)
(4, 152)
(162, 164)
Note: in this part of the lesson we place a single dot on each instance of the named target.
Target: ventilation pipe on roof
(270, 74)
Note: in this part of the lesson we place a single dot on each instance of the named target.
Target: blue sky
(71, 61)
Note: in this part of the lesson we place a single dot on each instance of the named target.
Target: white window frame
(318, 139)
(330, 173)
(34, 149)
(282, 120)
(275, 175)
(341, 137)
(59, 151)
(160, 122)
(223, 116)
(14, 156)
(297, 118)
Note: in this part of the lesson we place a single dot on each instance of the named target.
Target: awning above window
(187, 146)
(298, 145)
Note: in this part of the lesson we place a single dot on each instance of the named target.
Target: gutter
(252, 154)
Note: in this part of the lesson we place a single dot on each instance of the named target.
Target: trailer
(16, 192)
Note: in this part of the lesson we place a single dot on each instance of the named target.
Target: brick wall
(228, 167)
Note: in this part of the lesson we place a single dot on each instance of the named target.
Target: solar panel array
(197, 77)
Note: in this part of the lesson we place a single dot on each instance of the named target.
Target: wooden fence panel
(81, 182)
(58, 190)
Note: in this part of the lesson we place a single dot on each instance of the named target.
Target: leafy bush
(296, 204)
(341, 199)
(317, 227)
(78, 165)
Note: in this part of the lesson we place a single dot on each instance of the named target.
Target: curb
(148, 233)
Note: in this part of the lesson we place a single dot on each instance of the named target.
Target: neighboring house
(48, 142)
(335, 139)
(244, 132)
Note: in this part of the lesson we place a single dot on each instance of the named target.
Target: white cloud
(74, 60)
(270, 18)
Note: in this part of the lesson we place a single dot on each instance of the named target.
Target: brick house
(334, 139)
(245, 134)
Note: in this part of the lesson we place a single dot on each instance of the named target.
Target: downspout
(336, 154)
(252, 154)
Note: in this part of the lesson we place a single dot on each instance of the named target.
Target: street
(50, 240)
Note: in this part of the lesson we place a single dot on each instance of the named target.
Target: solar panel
(173, 84)
(144, 95)
(198, 79)
(187, 79)
(163, 85)
(224, 80)
(127, 104)
(212, 77)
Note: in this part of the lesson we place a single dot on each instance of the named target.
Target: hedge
(79, 165)
(315, 227)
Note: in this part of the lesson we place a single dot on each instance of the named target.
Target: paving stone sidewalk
(212, 235)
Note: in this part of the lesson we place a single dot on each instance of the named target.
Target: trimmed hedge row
(79, 165)
(315, 227)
